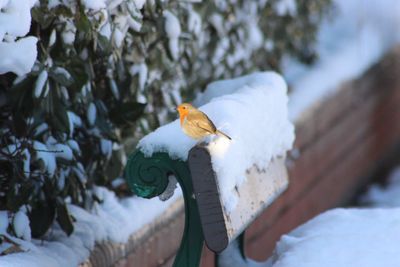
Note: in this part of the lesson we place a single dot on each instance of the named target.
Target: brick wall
(341, 141)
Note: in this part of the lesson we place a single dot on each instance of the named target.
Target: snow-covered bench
(226, 184)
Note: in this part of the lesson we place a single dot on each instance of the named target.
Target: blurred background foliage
(107, 75)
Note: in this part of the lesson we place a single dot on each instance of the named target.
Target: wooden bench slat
(260, 189)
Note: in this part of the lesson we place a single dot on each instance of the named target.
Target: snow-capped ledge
(251, 109)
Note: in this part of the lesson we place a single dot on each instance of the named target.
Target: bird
(195, 123)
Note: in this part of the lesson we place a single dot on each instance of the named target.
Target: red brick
(332, 189)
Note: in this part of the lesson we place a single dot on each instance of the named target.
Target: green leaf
(20, 96)
(77, 69)
(104, 45)
(59, 117)
(83, 23)
(20, 125)
(62, 10)
(62, 77)
(42, 16)
(106, 128)
(41, 217)
(114, 166)
(17, 198)
(127, 112)
(64, 218)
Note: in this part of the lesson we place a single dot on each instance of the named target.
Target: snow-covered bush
(108, 71)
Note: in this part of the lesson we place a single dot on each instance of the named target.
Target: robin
(195, 123)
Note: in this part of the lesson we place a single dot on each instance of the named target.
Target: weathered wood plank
(261, 187)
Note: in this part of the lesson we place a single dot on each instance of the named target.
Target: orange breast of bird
(182, 116)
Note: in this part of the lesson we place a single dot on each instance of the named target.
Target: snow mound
(15, 21)
(21, 226)
(384, 196)
(341, 238)
(173, 31)
(3, 221)
(114, 220)
(252, 110)
(18, 56)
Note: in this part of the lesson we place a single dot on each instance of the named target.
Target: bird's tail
(221, 133)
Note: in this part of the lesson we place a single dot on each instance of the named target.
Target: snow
(105, 30)
(63, 173)
(74, 146)
(27, 162)
(48, 158)
(286, 7)
(74, 121)
(255, 36)
(63, 72)
(15, 18)
(134, 24)
(3, 221)
(94, 4)
(114, 219)
(139, 3)
(53, 38)
(46, 89)
(91, 114)
(231, 257)
(194, 22)
(10, 149)
(80, 172)
(142, 70)
(63, 151)
(39, 84)
(15, 21)
(252, 110)
(173, 30)
(119, 36)
(68, 35)
(53, 3)
(106, 147)
(343, 237)
(64, 92)
(367, 237)
(4, 246)
(114, 89)
(220, 51)
(18, 56)
(357, 36)
(117, 182)
(384, 196)
(48, 153)
(172, 26)
(21, 226)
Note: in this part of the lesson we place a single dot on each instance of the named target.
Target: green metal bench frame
(148, 177)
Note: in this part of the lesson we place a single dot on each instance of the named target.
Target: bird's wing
(201, 120)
